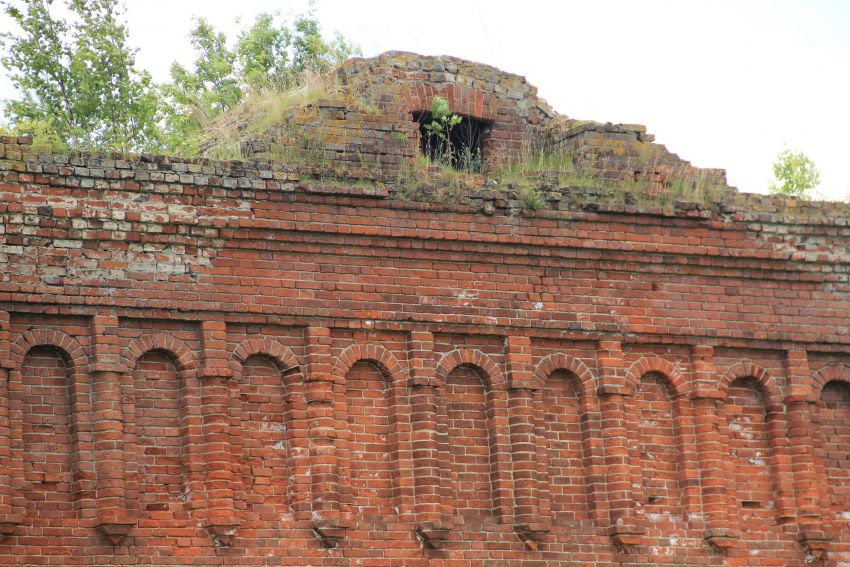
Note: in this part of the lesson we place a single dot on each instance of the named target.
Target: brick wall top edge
(415, 60)
(19, 165)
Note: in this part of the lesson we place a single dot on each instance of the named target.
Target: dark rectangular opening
(460, 147)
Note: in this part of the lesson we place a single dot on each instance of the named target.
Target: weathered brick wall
(217, 364)
(368, 128)
(337, 138)
(620, 153)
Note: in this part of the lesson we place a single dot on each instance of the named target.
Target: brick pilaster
(432, 524)
(114, 519)
(524, 442)
(327, 518)
(720, 531)
(813, 532)
(213, 376)
(623, 526)
(11, 515)
(781, 465)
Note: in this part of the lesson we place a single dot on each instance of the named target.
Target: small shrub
(796, 175)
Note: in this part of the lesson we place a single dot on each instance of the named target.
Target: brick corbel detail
(524, 440)
(213, 375)
(327, 520)
(711, 439)
(623, 527)
(813, 533)
(112, 510)
(432, 523)
(11, 512)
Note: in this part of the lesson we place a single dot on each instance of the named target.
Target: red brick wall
(265, 467)
(833, 421)
(468, 438)
(564, 436)
(209, 364)
(46, 435)
(159, 439)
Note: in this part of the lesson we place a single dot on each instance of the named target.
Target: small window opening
(460, 147)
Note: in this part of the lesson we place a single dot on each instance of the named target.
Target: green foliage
(469, 160)
(262, 54)
(79, 87)
(534, 163)
(796, 175)
(538, 168)
(311, 52)
(442, 122)
(439, 142)
(45, 140)
(195, 96)
(267, 57)
(77, 80)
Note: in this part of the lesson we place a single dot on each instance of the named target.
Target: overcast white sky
(722, 83)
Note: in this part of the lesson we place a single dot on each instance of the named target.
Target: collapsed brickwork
(213, 363)
(369, 126)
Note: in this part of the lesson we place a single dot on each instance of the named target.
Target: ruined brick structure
(213, 363)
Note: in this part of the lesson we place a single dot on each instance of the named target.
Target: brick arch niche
(470, 141)
(467, 436)
(265, 384)
(832, 418)
(753, 417)
(493, 124)
(44, 396)
(158, 431)
(661, 410)
(467, 403)
(268, 385)
(46, 392)
(374, 382)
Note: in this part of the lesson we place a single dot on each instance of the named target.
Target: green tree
(796, 175)
(311, 52)
(262, 53)
(77, 80)
(266, 55)
(196, 96)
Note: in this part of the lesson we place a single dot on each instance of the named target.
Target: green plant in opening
(440, 129)
(451, 140)
(796, 175)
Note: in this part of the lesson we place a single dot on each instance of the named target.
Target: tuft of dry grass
(261, 110)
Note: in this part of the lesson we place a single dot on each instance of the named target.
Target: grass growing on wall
(260, 111)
